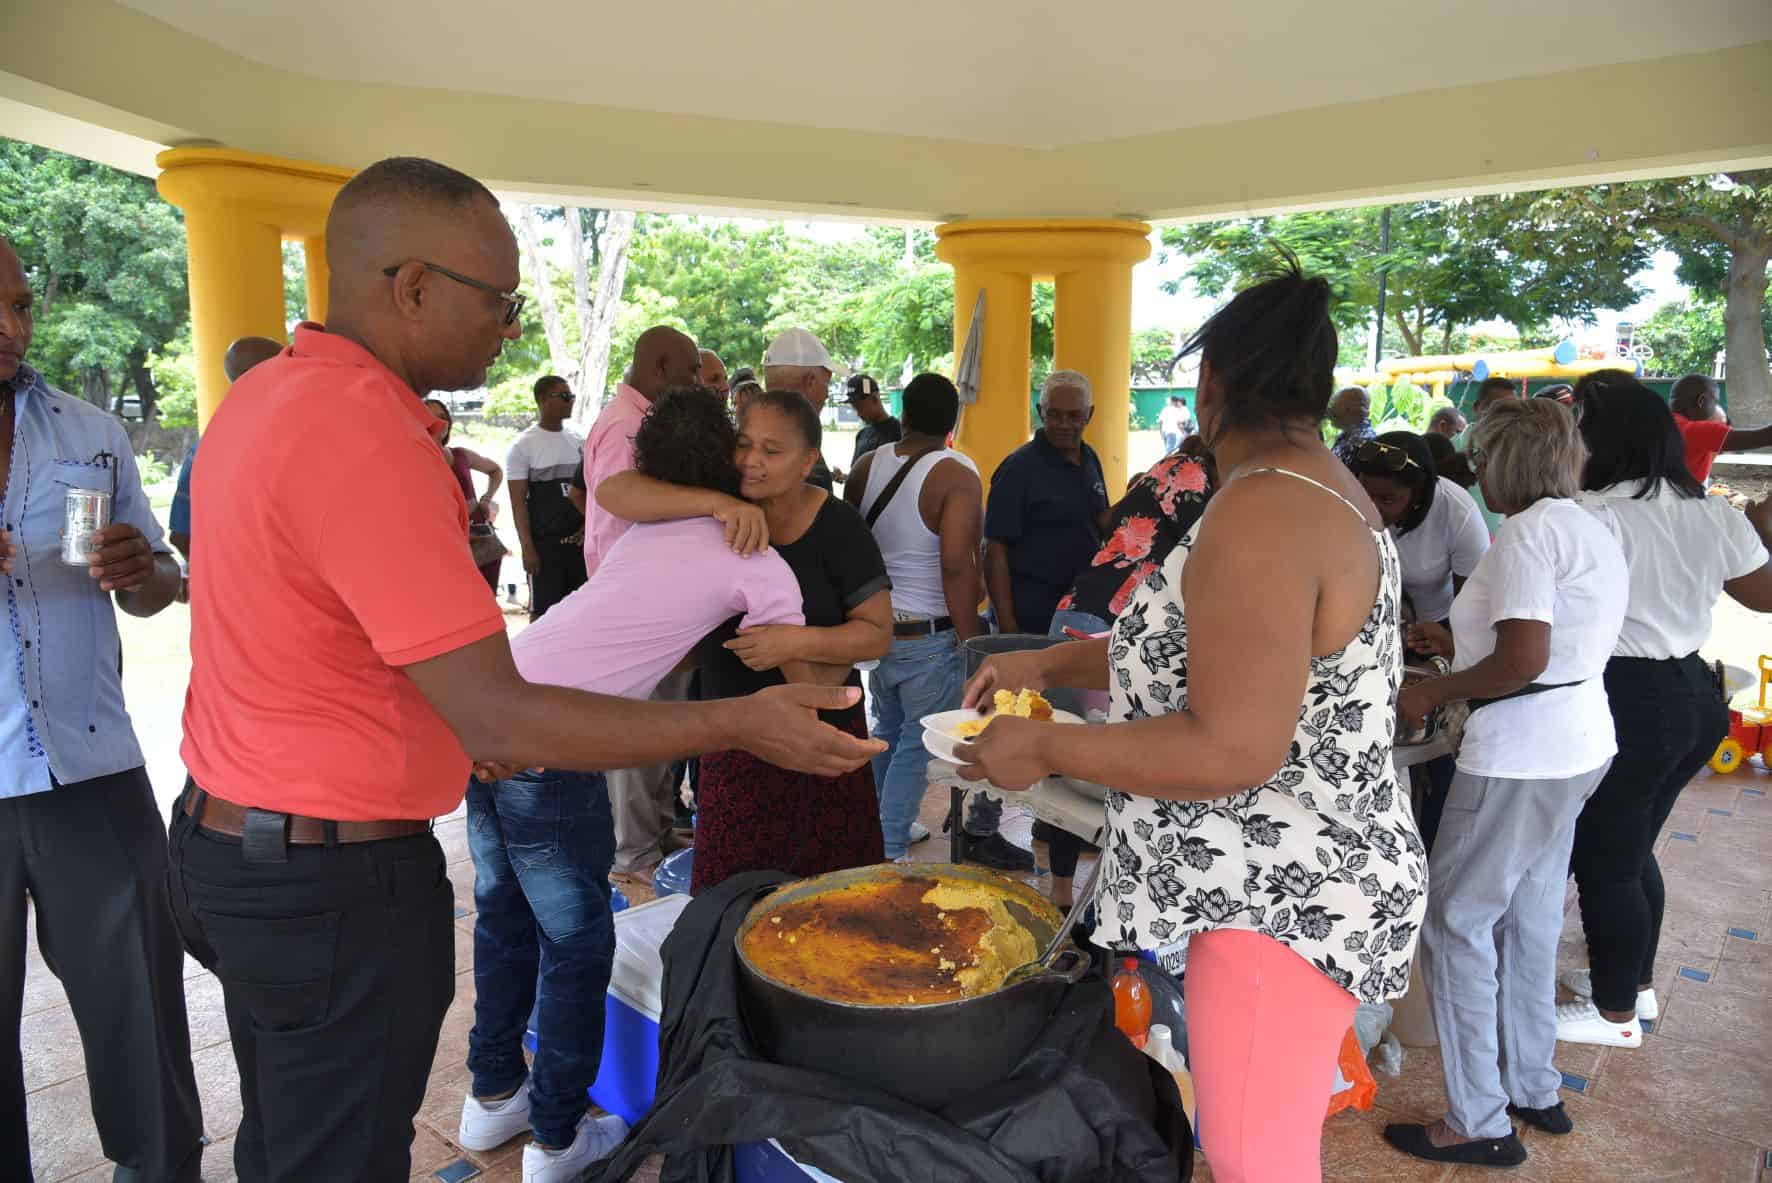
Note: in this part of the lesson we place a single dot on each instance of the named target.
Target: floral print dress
(1159, 508)
(1325, 857)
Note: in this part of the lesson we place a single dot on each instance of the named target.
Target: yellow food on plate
(1024, 704)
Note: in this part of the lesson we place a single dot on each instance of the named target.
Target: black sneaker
(997, 853)
(1554, 1120)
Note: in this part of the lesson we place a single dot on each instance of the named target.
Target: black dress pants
(1669, 720)
(337, 967)
(91, 858)
(562, 573)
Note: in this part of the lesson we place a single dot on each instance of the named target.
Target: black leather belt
(922, 628)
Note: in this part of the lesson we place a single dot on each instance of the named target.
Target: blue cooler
(627, 1078)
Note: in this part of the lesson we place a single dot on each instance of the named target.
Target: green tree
(1153, 357)
(1451, 265)
(106, 258)
(1686, 335)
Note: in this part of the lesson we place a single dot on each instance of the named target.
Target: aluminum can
(87, 512)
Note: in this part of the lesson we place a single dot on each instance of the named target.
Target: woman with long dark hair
(1685, 550)
(752, 815)
(1252, 681)
(464, 463)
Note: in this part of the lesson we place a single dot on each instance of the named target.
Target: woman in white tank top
(1253, 680)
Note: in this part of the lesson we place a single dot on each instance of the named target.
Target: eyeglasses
(513, 301)
(563, 394)
(1387, 456)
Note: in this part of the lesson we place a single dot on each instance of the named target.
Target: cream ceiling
(1011, 72)
(914, 109)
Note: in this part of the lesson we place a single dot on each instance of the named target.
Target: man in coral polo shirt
(347, 666)
(1707, 434)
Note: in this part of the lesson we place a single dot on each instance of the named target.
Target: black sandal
(1485, 1152)
(1554, 1120)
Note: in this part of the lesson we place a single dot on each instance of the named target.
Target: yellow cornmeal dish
(892, 942)
(1026, 704)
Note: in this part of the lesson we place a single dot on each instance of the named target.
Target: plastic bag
(1354, 1086)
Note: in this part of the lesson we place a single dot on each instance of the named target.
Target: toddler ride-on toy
(1750, 730)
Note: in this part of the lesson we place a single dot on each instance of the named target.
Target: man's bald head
(1349, 407)
(664, 359)
(247, 352)
(424, 271)
(713, 373)
(16, 315)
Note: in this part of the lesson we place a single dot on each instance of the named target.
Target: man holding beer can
(79, 831)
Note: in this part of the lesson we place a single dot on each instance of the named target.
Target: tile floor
(1694, 1103)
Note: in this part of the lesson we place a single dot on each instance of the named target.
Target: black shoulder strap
(1530, 688)
(886, 494)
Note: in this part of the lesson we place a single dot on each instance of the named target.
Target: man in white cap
(798, 361)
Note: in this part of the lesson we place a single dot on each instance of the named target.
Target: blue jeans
(543, 844)
(919, 676)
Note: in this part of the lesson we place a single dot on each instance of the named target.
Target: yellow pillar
(319, 276)
(238, 208)
(1091, 264)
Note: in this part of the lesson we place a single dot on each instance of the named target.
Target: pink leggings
(1264, 1027)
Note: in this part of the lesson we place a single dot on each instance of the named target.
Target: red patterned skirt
(753, 816)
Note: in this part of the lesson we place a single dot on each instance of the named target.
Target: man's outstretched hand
(781, 725)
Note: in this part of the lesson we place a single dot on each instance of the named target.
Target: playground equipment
(1436, 372)
(1750, 730)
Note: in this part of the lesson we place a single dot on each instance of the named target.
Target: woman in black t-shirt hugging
(753, 815)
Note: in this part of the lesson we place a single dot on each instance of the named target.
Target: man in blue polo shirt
(1042, 524)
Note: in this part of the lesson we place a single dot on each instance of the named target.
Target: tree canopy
(1451, 265)
(106, 258)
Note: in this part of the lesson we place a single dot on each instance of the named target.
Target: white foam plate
(940, 741)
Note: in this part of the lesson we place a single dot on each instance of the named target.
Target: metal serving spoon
(1041, 965)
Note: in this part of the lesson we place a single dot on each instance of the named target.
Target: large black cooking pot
(929, 1055)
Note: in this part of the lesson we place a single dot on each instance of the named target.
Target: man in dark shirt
(1043, 520)
(878, 425)
(1048, 505)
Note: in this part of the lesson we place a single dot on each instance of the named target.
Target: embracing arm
(865, 636)
(636, 497)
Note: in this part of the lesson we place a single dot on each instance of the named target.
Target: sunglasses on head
(1386, 456)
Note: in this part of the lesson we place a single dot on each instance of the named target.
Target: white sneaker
(1581, 1022)
(597, 1137)
(1580, 982)
(487, 1124)
(919, 833)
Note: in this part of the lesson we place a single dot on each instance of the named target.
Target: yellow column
(238, 209)
(319, 275)
(997, 424)
(1092, 334)
(1091, 263)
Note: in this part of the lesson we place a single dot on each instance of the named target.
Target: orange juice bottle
(1132, 1002)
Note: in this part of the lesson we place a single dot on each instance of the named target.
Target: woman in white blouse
(1531, 634)
(1439, 530)
(1685, 550)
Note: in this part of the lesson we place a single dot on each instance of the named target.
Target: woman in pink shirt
(753, 815)
(543, 842)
